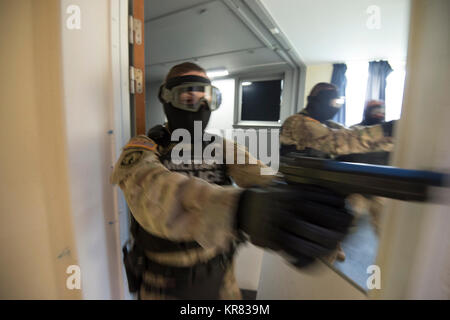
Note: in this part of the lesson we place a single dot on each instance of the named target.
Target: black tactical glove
(388, 128)
(160, 135)
(305, 222)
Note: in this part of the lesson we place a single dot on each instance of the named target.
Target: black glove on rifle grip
(302, 221)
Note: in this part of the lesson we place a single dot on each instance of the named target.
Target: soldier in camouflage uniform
(187, 218)
(374, 113)
(313, 133)
(312, 130)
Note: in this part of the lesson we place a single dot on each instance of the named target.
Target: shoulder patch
(141, 142)
(131, 158)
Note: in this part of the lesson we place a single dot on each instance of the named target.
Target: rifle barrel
(384, 181)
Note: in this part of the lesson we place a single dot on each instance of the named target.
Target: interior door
(137, 66)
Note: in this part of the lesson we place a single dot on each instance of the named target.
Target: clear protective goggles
(377, 112)
(192, 96)
(337, 102)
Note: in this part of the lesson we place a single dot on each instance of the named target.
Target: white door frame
(414, 252)
(121, 114)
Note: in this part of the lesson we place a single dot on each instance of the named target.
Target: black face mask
(319, 107)
(181, 119)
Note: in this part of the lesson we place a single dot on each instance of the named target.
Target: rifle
(346, 177)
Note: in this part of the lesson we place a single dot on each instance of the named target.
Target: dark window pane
(261, 101)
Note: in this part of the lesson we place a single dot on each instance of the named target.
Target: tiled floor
(360, 248)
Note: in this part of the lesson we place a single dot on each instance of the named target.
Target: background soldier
(374, 113)
(185, 227)
(313, 133)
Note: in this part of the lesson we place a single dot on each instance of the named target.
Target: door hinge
(134, 30)
(136, 80)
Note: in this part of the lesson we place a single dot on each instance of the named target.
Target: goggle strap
(166, 95)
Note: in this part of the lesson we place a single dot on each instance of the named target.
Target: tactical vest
(213, 173)
(145, 241)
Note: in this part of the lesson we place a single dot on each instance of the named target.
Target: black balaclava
(319, 106)
(373, 114)
(181, 119)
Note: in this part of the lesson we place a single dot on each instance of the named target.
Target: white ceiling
(158, 8)
(323, 31)
(206, 32)
(320, 31)
(190, 33)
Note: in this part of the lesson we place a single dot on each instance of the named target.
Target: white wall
(315, 74)
(414, 254)
(88, 101)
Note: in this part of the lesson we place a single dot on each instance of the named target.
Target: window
(260, 100)
(394, 91)
(355, 92)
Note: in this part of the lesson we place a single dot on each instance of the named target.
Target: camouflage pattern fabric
(371, 205)
(306, 132)
(334, 139)
(179, 207)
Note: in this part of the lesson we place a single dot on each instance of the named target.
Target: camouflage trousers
(360, 205)
(229, 289)
(371, 205)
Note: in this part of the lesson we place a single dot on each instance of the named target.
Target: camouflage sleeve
(172, 205)
(385, 144)
(305, 132)
(244, 168)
